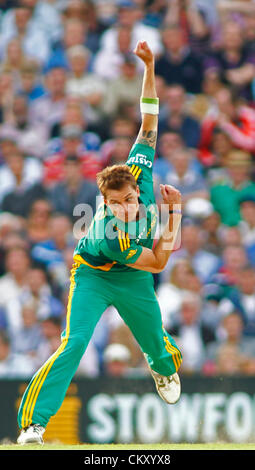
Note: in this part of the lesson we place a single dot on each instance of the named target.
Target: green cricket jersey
(111, 244)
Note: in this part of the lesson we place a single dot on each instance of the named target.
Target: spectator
(31, 83)
(170, 293)
(121, 128)
(46, 110)
(118, 332)
(234, 64)
(38, 220)
(246, 290)
(49, 251)
(73, 142)
(6, 94)
(108, 65)
(178, 119)
(95, 27)
(19, 200)
(116, 360)
(214, 160)
(178, 64)
(30, 136)
(51, 328)
(85, 85)
(119, 149)
(130, 14)
(233, 118)
(203, 103)
(247, 222)
(188, 181)
(125, 88)
(240, 12)
(27, 340)
(10, 225)
(74, 34)
(192, 16)
(226, 7)
(7, 146)
(197, 209)
(234, 259)
(226, 194)
(154, 13)
(11, 236)
(230, 353)
(35, 42)
(19, 173)
(73, 9)
(74, 114)
(39, 291)
(230, 236)
(44, 17)
(249, 20)
(15, 59)
(191, 334)
(168, 142)
(13, 283)
(88, 13)
(242, 300)
(73, 189)
(211, 227)
(204, 263)
(12, 365)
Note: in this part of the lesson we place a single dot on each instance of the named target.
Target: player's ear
(138, 190)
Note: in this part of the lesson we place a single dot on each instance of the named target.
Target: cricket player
(113, 265)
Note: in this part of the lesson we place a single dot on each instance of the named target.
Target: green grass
(113, 447)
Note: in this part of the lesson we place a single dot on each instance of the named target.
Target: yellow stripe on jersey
(124, 240)
(120, 240)
(136, 171)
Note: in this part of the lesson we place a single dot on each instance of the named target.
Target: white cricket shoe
(31, 435)
(168, 388)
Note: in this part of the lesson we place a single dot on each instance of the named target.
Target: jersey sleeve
(140, 161)
(121, 248)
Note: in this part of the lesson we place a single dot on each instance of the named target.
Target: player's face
(123, 202)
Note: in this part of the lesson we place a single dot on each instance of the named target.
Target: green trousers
(91, 292)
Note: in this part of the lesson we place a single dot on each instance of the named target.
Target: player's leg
(46, 391)
(139, 308)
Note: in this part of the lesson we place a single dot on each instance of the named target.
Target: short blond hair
(115, 177)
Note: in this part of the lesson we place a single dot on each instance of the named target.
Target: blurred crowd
(69, 106)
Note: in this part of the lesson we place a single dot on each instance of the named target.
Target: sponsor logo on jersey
(140, 159)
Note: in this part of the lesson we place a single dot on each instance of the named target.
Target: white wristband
(149, 105)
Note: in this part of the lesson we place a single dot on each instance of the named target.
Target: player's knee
(77, 345)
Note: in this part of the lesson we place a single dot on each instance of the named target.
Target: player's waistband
(110, 269)
(104, 267)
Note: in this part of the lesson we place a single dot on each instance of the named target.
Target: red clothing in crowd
(54, 167)
(241, 133)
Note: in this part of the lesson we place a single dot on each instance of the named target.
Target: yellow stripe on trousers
(174, 351)
(41, 375)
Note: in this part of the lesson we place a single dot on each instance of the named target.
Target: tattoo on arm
(148, 138)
